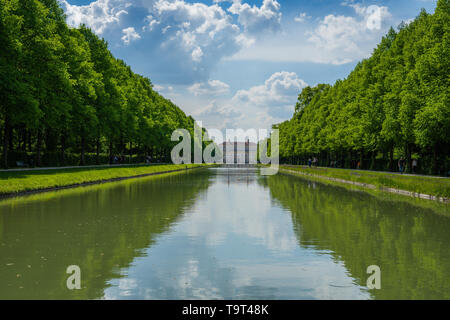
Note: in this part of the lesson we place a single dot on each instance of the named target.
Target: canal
(222, 234)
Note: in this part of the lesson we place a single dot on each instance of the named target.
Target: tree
(396, 102)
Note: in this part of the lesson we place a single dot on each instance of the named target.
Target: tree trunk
(435, 161)
(38, 147)
(83, 142)
(20, 138)
(391, 159)
(63, 149)
(30, 138)
(11, 138)
(408, 158)
(97, 159)
(361, 158)
(139, 149)
(349, 160)
(110, 151)
(372, 165)
(121, 147)
(47, 142)
(131, 151)
(24, 142)
(5, 143)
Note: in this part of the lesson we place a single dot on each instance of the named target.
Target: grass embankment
(435, 186)
(16, 182)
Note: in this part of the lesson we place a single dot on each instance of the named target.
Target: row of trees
(393, 105)
(64, 94)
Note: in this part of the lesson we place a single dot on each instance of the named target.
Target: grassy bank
(435, 186)
(15, 182)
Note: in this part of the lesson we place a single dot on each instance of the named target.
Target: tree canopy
(393, 105)
(65, 99)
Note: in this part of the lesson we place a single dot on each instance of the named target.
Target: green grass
(435, 186)
(22, 181)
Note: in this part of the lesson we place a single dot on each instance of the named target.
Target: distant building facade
(239, 152)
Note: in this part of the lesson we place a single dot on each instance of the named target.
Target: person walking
(400, 165)
(414, 166)
(309, 162)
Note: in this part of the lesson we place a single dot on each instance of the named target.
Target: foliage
(394, 104)
(63, 91)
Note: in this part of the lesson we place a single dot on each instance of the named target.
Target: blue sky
(241, 63)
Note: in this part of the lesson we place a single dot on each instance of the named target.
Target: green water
(221, 234)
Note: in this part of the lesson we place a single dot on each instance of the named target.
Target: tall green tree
(394, 104)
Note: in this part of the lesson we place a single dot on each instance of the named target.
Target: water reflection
(221, 234)
(103, 229)
(235, 243)
(410, 244)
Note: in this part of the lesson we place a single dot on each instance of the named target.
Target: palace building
(239, 152)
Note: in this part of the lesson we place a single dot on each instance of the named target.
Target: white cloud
(197, 54)
(158, 87)
(210, 88)
(337, 32)
(335, 39)
(281, 89)
(168, 91)
(195, 35)
(97, 15)
(219, 115)
(214, 109)
(130, 35)
(347, 38)
(301, 17)
(259, 107)
(182, 37)
(256, 20)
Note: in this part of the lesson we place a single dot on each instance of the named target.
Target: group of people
(118, 159)
(402, 165)
(313, 162)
